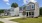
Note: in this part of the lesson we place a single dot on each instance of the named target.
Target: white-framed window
(32, 6)
(31, 13)
(28, 7)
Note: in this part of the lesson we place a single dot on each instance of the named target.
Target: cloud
(26, 1)
(32, 0)
(7, 3)
(6, 0)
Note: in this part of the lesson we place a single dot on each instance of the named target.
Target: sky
(6, 4)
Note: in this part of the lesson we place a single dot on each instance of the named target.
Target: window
(28, 7)
(29, 13)
(32, 13)
(32, 6)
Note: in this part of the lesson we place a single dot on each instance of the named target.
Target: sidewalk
(6, 20)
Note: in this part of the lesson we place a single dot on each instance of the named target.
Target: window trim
(33, 5)
(32, 13)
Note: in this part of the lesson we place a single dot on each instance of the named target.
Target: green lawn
(1, 22)
(28, 20)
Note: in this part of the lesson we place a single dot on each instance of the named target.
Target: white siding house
(32, 10)
(14, 11)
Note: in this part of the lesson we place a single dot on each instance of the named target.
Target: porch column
(28, 14)
(31, 13)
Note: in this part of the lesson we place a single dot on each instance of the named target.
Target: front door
(27, 14)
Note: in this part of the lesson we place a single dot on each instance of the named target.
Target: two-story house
(32, 9)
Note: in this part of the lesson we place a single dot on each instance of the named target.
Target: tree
(1, 11)
(24, 13)
(40, 10)
(14, 5)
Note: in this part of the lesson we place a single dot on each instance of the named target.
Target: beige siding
(36, 12)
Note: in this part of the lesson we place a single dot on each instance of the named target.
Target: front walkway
(6, 20)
